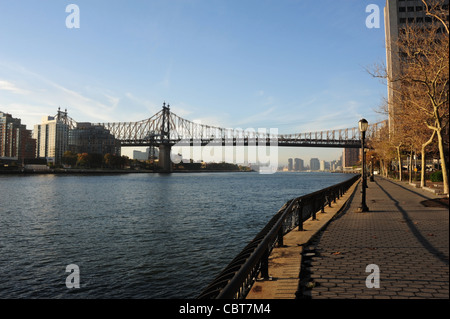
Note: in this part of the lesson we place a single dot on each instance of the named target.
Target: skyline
(297, 66)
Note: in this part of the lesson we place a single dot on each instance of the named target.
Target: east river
(134, 235)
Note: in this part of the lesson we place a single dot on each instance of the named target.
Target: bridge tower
(165, 147)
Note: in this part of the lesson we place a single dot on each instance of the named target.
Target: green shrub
(436, 176)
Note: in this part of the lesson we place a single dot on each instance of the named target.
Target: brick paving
(405, 239)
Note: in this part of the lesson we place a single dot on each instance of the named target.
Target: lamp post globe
(363, 125)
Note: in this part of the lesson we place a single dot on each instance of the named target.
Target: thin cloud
(259, 117)
(40, 92)
(11, 87)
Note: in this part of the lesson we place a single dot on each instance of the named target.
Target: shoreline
(70, 171)
(108, 171)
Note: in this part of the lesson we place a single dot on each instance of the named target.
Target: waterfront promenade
(403, 238)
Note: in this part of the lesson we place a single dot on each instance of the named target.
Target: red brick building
(16, 141)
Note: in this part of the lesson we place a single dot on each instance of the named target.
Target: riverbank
(107, 171)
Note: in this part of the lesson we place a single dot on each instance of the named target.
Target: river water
(134, 235)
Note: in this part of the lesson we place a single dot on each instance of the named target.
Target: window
(410, 9)
(419, 19)
(402, 9)
(402, 20)
(419, 8)
(410, 20)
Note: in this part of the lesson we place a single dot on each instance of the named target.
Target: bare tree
(387, 146)
(419, 107)
(424, 81)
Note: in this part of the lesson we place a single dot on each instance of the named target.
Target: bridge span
(166, 129)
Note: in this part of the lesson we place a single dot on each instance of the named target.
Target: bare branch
(428, 13)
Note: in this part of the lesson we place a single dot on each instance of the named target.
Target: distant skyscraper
(15, 140)
(314, 164)
(334, 165)
(290, 164)
(298, 164)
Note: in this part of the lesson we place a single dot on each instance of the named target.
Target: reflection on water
(135, 235)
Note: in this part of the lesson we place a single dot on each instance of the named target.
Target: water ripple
(136, 235)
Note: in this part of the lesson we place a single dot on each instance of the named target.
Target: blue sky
(294, 65)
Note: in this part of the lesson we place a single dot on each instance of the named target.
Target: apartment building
(51, 138)
(16, 142)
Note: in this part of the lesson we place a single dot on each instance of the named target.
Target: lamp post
(363, 124)
(371, 168)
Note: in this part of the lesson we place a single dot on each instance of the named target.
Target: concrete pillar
(164, 158)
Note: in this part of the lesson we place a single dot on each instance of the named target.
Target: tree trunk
(399, 164)
(423, 168)
(410, 166)
(443, 164)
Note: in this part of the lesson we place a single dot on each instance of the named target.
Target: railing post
(315, 208)
(280, 237)
(323, 203)
(265, 265)
(300, 216)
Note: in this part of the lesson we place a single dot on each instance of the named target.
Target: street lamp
(363, 124)
(371, 168)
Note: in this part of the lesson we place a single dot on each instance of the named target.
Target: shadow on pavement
(425, 243)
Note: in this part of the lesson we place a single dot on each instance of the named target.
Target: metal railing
(236, 280)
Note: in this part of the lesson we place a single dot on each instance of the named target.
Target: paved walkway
(285, 261)
(405, 236)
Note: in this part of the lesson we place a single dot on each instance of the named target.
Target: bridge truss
(165, 127)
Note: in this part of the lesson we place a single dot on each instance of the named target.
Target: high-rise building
(398, 14)
(298, 164)
(322, 165)
(290, 166)
(15, 140)
(350, 157)
(93, 139)
(335, 165)
(314, 164)
(52, 137)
